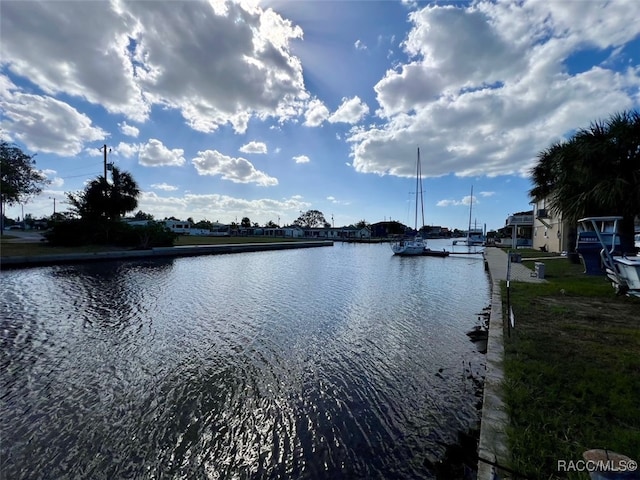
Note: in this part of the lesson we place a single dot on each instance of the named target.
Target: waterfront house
(293, 231)
(341, 233)
(519, 227)
(550, 232)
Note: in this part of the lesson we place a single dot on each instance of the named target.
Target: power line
(81, 175)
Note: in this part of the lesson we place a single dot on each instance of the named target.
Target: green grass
(572, 371)
(8, 248)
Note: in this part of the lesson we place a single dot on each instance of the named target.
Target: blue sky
(222, 110)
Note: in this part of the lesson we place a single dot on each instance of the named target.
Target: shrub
(78, 232)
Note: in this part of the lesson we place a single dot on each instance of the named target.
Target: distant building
(386, 229)
(341, 233)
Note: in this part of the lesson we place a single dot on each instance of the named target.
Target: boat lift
(623, 270)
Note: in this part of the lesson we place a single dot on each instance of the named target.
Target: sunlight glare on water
(340, 362)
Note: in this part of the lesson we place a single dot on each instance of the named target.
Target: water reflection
(337, 362)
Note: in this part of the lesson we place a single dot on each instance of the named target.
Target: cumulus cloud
(237, 170)
(487, 86)
(316, 113)
(223, 208)
(127, 150)
(129, 56)
(352, 110)
(254, 147)
(164, 186)
(302, 159)
(454, 203)
(52, 176)
(43, 123)
(129, 130)
(155, 154)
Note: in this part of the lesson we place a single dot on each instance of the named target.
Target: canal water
(333, 362)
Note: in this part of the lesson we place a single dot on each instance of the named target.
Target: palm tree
(102, 200)
(596, 172)
(123, 194)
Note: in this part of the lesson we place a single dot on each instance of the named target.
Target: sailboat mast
(421, 192)
(415, 217)
(470, 209)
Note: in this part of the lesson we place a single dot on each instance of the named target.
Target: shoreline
(157, 252)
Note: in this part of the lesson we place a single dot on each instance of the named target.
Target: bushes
(75, 232)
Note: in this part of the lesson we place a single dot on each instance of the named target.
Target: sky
(265, 109)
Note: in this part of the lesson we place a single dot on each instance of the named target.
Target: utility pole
(107, 166)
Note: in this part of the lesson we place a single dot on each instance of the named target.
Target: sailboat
(416, 245)
(475, 236)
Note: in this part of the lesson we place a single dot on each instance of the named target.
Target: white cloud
(223, 208)
(352, 110)
(88, 61)
(302, 159)
(254, 147)
(465, 201)
(53, 178)
(487, 194)
(129, 130)
(127, 150)
(360, 45)
(487, 86)
(164, 186)
(335, 201)
(155, 154)
(43, 123)
(316, 113)
(237, 170)
(129, 56)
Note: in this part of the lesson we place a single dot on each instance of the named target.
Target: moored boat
(416, 245)
(622, 269)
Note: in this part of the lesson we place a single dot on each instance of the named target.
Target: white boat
(475, 236)
(623, 270)
(416, 245)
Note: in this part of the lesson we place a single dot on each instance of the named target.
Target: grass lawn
(9, 248)
(572, 371)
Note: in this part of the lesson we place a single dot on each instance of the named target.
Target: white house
(342, 233)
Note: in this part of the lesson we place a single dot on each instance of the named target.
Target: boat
(475, 236)
(416, 245)
(622, 269)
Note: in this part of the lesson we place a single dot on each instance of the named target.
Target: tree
(19, 180)
(204, 225)
(143, 216)
(594, 173)
(245, 222)
(271, 224)
(362, 224)
(102, 200)
(311, 219)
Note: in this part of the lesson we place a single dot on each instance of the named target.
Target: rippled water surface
(334, 362)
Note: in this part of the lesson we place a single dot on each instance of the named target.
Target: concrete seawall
(181, 251)
(493, 446)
